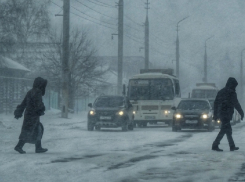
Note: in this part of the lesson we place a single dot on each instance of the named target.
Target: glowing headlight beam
(204, 116)
(178, 116)
(92, 113)
(120, 113)
(167, 112)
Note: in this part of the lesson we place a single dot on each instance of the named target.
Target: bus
(152, 93)
(205, 90)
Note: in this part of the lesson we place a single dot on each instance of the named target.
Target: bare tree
(84, 67)
(22, 23)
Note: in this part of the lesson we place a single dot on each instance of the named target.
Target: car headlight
(134, 112)
(120, 113)
(167, 112)
(204, 116)
(92, 112)
(178, 116)
(218, 121)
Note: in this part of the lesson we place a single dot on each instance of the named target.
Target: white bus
(205, 90)
(152, 93)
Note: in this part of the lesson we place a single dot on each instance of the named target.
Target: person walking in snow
(224, 104)
(32, 129)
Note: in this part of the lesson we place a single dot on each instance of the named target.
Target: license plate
(105, 117)
(150, 117)
(191, 121)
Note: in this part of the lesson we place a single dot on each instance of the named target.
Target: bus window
(151, 89)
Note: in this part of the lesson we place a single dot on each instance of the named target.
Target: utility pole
(120, 47)
(205, 79)
(65, 58)
(241, 77)
(177, 48)
(147, 37)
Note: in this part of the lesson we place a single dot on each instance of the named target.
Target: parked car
(110, 112)
(193, 114)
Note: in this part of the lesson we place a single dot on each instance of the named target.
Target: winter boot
(216, 148)
(19, 146)
(232, 148)
(39, 148)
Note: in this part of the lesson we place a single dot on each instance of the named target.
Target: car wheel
(174, 128)
(144, 124)
(97, 128)
(131, 126)
(90, 126)
(210, 127)
(125, 127)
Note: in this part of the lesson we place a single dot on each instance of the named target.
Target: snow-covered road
(110, 155)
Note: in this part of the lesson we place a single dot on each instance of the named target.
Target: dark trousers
(225, 129)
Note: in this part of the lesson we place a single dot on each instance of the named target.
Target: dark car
(110, 112)
(193, 114)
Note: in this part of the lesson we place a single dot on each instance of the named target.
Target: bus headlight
(167, 112)
(134, 112)
(120, 113)
(178, 116)
(204, 116)
(218, 121)
(92, 112)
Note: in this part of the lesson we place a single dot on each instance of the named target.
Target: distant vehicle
(110, 112)
(193, 114)
(152, 93)
(205, 90)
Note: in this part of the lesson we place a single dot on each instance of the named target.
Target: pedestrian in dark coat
(32, 129)
(224, 104)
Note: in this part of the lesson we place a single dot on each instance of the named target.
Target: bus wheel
(174, 128)
(144, 124)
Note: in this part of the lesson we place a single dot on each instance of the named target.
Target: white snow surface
(153, 154)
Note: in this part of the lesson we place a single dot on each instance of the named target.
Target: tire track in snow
(135, 160)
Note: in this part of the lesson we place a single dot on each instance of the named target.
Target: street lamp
(241, 76)
(205, 60)
(177, 48)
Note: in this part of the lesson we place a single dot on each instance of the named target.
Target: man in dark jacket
(224, 104)
(32, 129)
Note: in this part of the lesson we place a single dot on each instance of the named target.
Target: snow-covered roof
(152, 75)
(206, 87)
(11, 64)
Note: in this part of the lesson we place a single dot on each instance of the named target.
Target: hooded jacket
(32, 129)
(226, 101)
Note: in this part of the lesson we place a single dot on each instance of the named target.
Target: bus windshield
(199, 93)
(151, 89)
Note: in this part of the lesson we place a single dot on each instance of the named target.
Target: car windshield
(193, 105)
(151, 89)
(109, 102)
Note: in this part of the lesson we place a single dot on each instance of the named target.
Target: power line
(86, 18)
(92, 17)
(93, 21)
(104, 3)
(57, 4)
(133, 20)
(95, 10)
(107, 6)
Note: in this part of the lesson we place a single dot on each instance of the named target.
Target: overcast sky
(223, 19)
